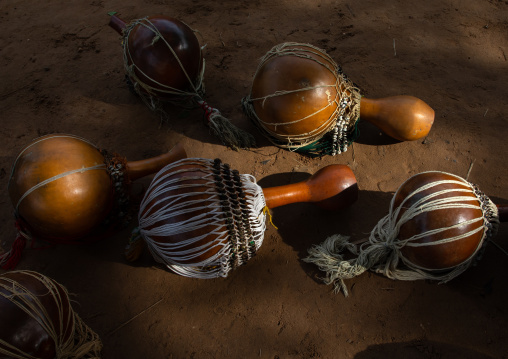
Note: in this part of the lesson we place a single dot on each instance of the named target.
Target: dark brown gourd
(37, 319)
(164, 64)
(446, 255)
(436, 228)
(155, 63)
(35, 341)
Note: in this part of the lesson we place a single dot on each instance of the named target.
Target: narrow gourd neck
(405, 118)
(333, 187)
(117, 24)
(142, 168)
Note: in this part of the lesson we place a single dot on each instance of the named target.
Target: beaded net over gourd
(71, 336)
(188, 96)
(217, 214)
(383, 252)
(335, 133)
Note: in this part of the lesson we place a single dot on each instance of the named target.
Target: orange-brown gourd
(156, 64)
(405, 118)
(299, 95)
(332, 187)
(294, 74)
(61, 185)
(37, 319)
(202, 219)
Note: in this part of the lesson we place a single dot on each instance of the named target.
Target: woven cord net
(193, 95)
(381, 253)
(232, 198)
(79, 342)
(335, 134)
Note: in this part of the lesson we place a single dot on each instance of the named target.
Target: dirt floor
(62, 71)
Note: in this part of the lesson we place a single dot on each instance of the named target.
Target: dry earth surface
(61, 71)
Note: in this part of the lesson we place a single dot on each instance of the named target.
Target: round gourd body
(75, 198)
(191, 193)
(22, 330)
(159, 61)
(201, 218)
(445, 255)
(307, 110)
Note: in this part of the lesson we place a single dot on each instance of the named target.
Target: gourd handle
(333, 187)
(138, 169)
(405, 118)
(117, 24)
(502, 212)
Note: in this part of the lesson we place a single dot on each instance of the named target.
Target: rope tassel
(229, 134)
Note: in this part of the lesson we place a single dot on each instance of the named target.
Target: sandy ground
(61, 71)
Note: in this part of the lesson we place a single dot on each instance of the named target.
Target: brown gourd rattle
(302, 101)
(436, 228)
(164, 63)
(62, 188)
(37, 320)
(202, 219)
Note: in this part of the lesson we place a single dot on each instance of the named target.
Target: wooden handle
(405, 118)
(117, 24)
(138, 169)
(503, 213)
(333, 187)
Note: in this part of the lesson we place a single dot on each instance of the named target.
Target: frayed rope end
(228, 133)
(329, 259)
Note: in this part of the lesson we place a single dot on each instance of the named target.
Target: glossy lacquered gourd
(309, 100)
(445, 255)
(195, 208)
(61, 186)
(332, 187)
(164, 64)
(437, 227)
(173, 61)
